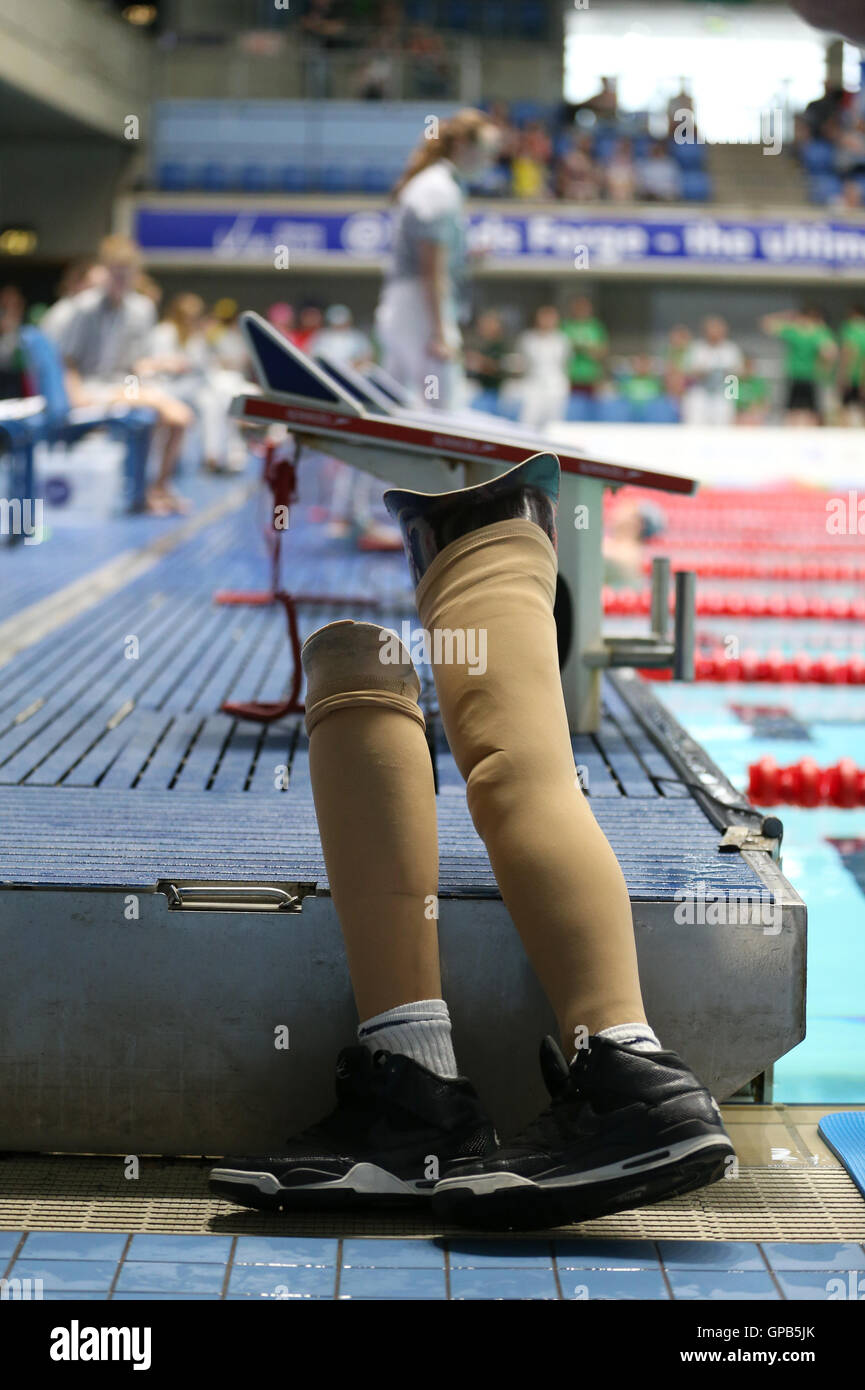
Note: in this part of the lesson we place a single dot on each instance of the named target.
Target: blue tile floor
(117, 1266)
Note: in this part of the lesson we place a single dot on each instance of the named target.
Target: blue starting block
(174, 975)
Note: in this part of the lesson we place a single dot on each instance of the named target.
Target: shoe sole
(364, 1185)
(506, 1201)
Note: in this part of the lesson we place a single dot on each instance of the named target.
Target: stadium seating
(309, 146)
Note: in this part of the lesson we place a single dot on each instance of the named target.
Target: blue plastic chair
(214, 178)
(580, 409)
(818, 156)
(689, 157)
(63, 424)
(255, 178)
(335, 179)
(18, 439)
(822, 188)
(696, 186)
(375, 179)
(663, 411)
(488, 401)
(173, 177)
(293, 178)
(613, 411)
(532, 19)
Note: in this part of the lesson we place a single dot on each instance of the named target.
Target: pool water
(823, 856)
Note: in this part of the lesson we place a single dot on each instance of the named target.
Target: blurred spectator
(713, 366)
(752, 402)
(543, 352)
(605, 102)
(589, 342)
(309, 322)
(851, 366)
(228, 374)
(339, 341)
(177, 350)
(659, 176)
(227, 343)
(823, 110)
(531, 163)
(809, 349)
(578, 177)
(850, 149)
(641, 382)
(281, 317)
(78, 276)
(14, 378)
(324, 29)
(103, 340)
(851, 198)
(428, 63)
(680, 112)
(508, 133)
(630, 525)
(487, 346)
(678, 347)
(620, 173)
(181, 359)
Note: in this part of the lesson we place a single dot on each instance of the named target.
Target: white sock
(421, 1030)
(639, 1036)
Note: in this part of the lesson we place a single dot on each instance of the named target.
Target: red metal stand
(280, 476)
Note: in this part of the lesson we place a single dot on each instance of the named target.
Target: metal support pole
(661, 596)
(683, 660)
(581, 568)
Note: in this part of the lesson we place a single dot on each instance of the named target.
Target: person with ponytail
(418, 315)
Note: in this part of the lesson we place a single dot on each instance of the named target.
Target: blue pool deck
(120, 1267)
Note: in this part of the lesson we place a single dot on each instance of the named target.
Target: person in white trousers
(418, 315)
(544, 353)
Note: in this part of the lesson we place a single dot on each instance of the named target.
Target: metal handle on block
(231, 897)
(683, 640)
(661, 596)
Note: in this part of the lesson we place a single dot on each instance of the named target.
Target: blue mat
(844, 1132)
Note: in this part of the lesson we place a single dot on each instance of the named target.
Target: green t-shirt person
(642, 386)
(589, 339)
(753, 391)
(852, 337)
(805, 358)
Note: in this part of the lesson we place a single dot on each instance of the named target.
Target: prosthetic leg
(629, 1123)
(484, 564)
(398, 1125)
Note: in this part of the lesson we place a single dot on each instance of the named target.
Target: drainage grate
(49, 1193)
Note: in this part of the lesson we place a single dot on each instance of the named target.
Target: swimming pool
(823, 856)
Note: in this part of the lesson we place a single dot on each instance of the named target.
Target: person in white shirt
(544, 353)
(713, 364)
(339, 341)
(420, 310)
(181, 359)
(353, 492)
(659, 178)
(103, 339)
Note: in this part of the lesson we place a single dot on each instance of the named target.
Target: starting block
(356, 420)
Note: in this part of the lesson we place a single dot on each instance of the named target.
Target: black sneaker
(396, 1127)
(625, 1129)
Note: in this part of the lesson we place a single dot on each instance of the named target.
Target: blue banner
(592, 241)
